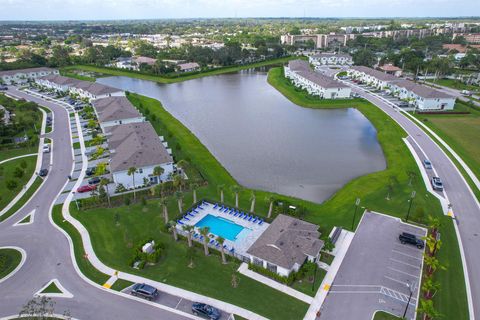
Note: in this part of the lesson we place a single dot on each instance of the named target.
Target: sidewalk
(343, 243)
(274, 284)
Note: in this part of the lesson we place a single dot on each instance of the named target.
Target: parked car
(90, 171)
(466, 92)
(95, 180)
(427, 164)
(437, 184)
(86, 188)
(145, 291)
(3, 88)
(202, 309)
(43, 172)
(46, 148)
(408, 238)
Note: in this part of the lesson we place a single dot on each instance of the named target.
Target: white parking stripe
(407, 255)
(407, 264)
(405, 273)
(393, 279)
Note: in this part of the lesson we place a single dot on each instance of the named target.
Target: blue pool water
(220, 227)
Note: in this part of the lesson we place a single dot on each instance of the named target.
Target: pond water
(264, 140)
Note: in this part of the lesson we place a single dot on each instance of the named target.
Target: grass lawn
(113, 242)
(327, 258)
(121, 284)
(9, 260)
(51, 288)
(305, 285)
(11, 153)
(381, 315)
(7, 174)
(66, 73)
(26, 219)
(461, 132)
(36, 184)
(455, 84)
(163, 79)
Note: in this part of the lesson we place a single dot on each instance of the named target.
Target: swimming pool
(220, 227)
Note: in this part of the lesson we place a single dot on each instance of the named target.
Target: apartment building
(25, 75)
(330, 59)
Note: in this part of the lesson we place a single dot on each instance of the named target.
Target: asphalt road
(48, 252)
(465, 205)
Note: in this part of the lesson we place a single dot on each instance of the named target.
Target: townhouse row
(317, 84)
(419, 96)
(20, 76)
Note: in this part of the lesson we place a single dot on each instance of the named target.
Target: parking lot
(177, 303)
(377, 273)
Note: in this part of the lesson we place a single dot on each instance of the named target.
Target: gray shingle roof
(423, 91)
(13, 72)
(330, 54)
(189, 65)
(376, 74)
(287, 241)
(302, 68)
(298, 65)
(91, 87)
(135, 145)
(115, 108)
(61, 80)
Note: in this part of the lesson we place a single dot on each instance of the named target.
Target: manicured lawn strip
(455, 84)
(121, 284)
(76, 145)
(65, 73)
(9, 260)
(35, 185)
(7, 174)
(305, 285)
(11, 153)
(52, 288)
(381, 315)
(26, 219)
(85, 266)
(162, 79)
(113, 244)
(399, 161)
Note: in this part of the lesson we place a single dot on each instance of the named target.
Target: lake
(265, 141)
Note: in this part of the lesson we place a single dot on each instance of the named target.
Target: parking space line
(407, 255)
(333, 291)
(399, 281)
(405, 273)
(405, 263)
(397, 295)
(178, 303)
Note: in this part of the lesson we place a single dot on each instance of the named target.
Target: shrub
(127, 201)
(11, 184)
(120, 188)
(144, 201)
(18, 172)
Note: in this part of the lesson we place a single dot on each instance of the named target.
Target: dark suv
(145, 291)
(408, 238)
(206, 311)
(95, 180)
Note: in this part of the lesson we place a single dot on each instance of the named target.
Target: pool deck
(243, 241)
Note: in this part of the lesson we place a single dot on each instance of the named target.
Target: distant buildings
(303, 76)
(188, 67)
(144, 60)
(84, 89)
(420, 96)
(24, 75)
(319, 40)
(331, 59)
(286, 245)
(469, 37)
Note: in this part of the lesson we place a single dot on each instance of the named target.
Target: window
(272, 267)
(258, 262)
(140, 170)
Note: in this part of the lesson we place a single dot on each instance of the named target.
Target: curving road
(458, 193)
(48, 251)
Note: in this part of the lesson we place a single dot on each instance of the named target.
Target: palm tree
(270, 207)
(433, 225)
(188, 229)
(236, 189)
(432, 264)
(172, 226)
(164, 204)
(220, 188)
(158, 171)
(430, 288)
(204, 232)
(252, 199)
(104, 183)
(221, 241)
(131, 172)
(426, 307)
(194, 187)
(177, 181)
(182, 164)
(179, 197)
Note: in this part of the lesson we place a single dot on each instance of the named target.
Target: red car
(86, 188)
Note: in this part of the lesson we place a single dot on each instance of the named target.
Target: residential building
(113, 111)
(85, 89)
(331, 59)
(303, 76)
(469, 37)
(391, 69)
(419, 96)
(188, 67)
(320, 40)
(144, 60)
(137, 145)
(286, 245)
(24, 75)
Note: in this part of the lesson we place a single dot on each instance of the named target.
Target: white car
(46, 148)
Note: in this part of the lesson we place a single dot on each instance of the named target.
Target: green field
(27, 195)
(455, 84)
(381, 315)
(11, 153)
(7, 174)
(51, 288)
(68, 71)
(9, 260)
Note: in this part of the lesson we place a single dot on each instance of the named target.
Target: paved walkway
(243, 269)
(341, 248)
(18, 157)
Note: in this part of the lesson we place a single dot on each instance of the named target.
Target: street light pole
(314, 276)
(357, 202)
(410, 205)
(75, 199)
(410, 288)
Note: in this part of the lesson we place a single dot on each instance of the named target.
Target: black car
(95, 180)
(145, 291)
(408, 238)
(202, 309)
(3, 88)
(90, 171)
(43, 172)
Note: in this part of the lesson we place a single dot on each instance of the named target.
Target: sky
(161, 9)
